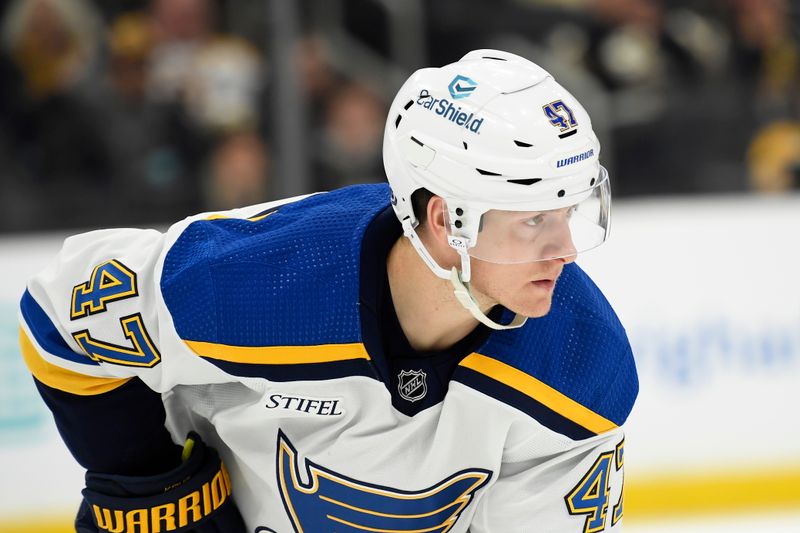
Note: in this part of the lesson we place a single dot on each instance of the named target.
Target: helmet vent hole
(495, 58)
(561, 193)
(486, 172)
(465, 144)
(458, 224)
(567, 134)
(527, 181)
(397, 121)
(591, 183)
(523, 144)
(417, 141)
(409, 104)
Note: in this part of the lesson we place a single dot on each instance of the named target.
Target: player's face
(525, 288)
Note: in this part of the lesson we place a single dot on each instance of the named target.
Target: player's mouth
(546, 284)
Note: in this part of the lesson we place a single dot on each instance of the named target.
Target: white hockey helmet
(510, 151)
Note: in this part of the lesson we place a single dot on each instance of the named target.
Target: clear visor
(509, 237)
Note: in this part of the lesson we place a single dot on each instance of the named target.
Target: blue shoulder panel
(579, 350)
(288, 279)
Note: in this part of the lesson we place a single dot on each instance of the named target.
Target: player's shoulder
(281, 224)
(284, 275)
(572, 370)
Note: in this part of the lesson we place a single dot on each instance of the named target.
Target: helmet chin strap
(464, 296)
(460, 281)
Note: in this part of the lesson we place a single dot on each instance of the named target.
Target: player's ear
(436, 219)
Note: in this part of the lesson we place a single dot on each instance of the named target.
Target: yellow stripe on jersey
(539, 391)
(62, 379)
(262, 217)
(251, 219)
(279, 355)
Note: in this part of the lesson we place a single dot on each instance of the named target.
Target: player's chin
(531, 305)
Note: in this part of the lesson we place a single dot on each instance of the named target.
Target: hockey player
(422, 356)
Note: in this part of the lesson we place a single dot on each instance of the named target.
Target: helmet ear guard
(416, 153)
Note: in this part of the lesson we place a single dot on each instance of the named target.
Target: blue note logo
(329, 501)
(461, 87)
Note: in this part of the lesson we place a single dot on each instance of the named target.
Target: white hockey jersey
(263, 329)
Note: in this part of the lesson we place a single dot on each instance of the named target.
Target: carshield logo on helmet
(461, 87)
(446, 109)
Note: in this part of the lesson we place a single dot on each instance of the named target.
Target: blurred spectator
(130, 41)
(351, 139)
(773, 159)
(318, 77)
(172, 87)
(144, 129)
(238, 173)
(345, 117)
(53, 42)
(628, 46)
(662, 66)
(180, 28)
(219, 79)
(665, 66)
(224, 88)
(57, 172)
(153, 151)
(767, 55)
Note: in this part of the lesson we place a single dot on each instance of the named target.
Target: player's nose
(560, 244)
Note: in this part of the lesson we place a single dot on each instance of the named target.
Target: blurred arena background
(141, 112)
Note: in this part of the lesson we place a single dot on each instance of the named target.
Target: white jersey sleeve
(95, 316)
(551, 491)
(89, 321)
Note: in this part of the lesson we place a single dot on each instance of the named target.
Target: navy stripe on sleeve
(46, 334)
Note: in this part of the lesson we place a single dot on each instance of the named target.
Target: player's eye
(535, 220)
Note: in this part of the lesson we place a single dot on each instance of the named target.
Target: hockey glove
(194, 497)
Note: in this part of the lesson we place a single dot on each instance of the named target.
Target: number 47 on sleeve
(590, 496)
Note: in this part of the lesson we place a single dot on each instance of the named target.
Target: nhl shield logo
(412, 385)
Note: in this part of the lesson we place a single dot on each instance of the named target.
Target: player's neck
(428, 312)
